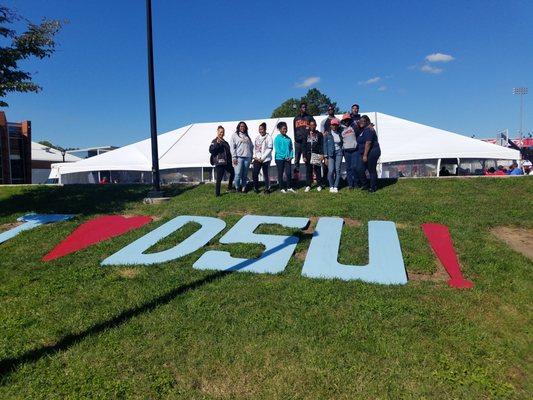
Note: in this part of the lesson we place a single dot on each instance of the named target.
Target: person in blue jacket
(333, 154)
(369, 152)
(284, 153)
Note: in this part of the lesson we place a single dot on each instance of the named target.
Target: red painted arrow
(95, 231)
(441, 241)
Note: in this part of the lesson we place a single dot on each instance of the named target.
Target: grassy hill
(73, 329)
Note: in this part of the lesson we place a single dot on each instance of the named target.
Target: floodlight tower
(521, 91)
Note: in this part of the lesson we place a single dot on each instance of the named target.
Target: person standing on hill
(354, 114)
(313, 154)
(262, 157)
(349, 132)
(369, 152)
(301, 127)
(333, 152)
(221, 160)
(326, 123)
(241, 149)
(284, 153)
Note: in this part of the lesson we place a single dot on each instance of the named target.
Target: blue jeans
(351, 157)
(241, 172)
(370, 166)
(334, 168)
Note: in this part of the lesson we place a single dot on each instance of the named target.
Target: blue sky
(449, 64)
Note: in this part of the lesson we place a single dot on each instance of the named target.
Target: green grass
(72, 329)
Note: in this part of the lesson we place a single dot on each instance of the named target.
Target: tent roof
(40, 152)
(400, 140)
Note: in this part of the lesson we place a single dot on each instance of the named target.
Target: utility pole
(151, 90)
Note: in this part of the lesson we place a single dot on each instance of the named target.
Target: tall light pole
(521, 91)
(151, 89)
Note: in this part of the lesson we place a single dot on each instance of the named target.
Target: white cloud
(439, 57)
(430, 70)
(382, 88)
(307, 82)
(370, 81)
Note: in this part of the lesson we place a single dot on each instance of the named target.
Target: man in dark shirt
(354, 114)
(301, 127)
(327, 122)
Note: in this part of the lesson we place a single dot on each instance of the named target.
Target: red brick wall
(26, 135)
(4, 146)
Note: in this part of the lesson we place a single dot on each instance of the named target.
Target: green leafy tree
(317, 104)
(36, 41)
(50, 144)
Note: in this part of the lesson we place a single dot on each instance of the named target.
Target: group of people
(353, 138)
(514, 169)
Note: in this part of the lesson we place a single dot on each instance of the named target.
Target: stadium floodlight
(521, 91)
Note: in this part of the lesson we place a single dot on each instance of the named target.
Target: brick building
(15, 151)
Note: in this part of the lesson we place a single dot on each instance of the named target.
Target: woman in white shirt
(262, 157)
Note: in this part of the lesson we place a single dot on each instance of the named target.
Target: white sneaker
(291, 190)
(283, 191)
(319, 188)
(307, 189)
(335, 190)
(331, 190)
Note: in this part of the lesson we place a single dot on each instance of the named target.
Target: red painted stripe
(441, 242)
(95, 231)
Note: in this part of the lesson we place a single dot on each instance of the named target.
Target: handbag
(220, 159)
(315, 159)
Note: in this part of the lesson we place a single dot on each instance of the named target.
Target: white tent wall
(184, 156)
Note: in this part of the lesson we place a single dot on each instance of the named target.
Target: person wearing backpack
(262, 157)
(221, 159)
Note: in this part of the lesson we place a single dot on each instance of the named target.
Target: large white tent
(185, 150)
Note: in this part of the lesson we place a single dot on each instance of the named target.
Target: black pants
(297, 155)
(370, 166)
(309, 170)
(283, 166)
(324, 174)
(258, 166)
(219, 174)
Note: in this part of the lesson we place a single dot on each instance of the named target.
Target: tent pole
(438, 167)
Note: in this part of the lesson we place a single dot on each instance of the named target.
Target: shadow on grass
(9, 365)
(79, 199)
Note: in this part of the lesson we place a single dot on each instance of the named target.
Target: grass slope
(72, 329)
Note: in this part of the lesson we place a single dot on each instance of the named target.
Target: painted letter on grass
(32, 221)
(133, 253)
(278, 249)
(385, 255)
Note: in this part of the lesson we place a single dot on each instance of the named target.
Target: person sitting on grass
(333, 153)
(221, 160)
(313, 154)
(262, 157)
(284, 153)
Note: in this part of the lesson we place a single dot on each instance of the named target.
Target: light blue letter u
(385, 255)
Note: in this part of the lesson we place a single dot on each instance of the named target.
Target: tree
(317, 104)
(50, 144)
(37, 41)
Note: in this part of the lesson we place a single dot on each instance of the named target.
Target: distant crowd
(353, 138)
